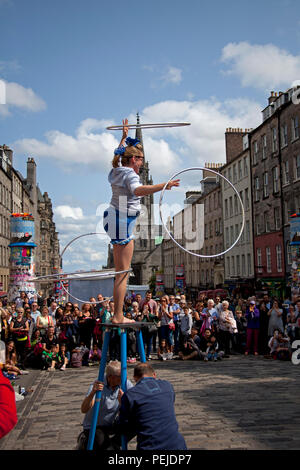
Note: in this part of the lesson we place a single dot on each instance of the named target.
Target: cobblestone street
(238, 403)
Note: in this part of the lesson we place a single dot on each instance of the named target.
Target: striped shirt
(124, 181)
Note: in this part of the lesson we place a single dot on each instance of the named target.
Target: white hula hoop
(76, 275)
(171, 236)
(148, 126)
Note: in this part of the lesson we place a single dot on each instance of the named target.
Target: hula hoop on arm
(149, 126)
(171, 236)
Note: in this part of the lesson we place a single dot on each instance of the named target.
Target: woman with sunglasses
(119, 219)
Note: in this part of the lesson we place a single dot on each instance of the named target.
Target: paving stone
(240, 403)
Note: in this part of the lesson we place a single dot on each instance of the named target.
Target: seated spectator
(203, 344)
(49, 339)
(189, 350)
(107, 436)
(292, 325)
(280, 346)
(10, 365)
(80, 356)
(49, 359)
(33, 358)
(163, 351)
(95, 354)
(63, 357)
(211, 354)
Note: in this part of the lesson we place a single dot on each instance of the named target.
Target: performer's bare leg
(122, 260)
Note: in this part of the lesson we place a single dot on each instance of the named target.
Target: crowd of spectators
(51, 336)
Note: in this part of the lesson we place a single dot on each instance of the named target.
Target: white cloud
(165, 149)
(261, 66)
(86, 147)
(67, 211)
(20, 97)
(172, 75)
(87, 252)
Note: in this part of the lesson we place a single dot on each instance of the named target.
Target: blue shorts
(119, 226)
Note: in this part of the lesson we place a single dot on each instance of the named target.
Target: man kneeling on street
(147, 411)
(107, 436)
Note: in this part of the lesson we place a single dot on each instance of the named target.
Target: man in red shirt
(8, 410)
(149, 301)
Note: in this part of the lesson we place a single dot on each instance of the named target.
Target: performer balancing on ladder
(119, 218)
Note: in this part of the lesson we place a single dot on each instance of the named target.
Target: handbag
(172, 325)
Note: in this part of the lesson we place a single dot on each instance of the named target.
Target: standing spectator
(19, 329)
(275, 319)
(226, 327)
(21, 300)
(174, 307)
(241, 336)
(267, 301)
(35, 312)
(252, 316)
(31, 323)
(150, 302)
(52, 311)
(147, 331)
(86, 325)
(186, 325)
(263, 329)
(44, 321)
(4, 328)
(166, 318)
(218, 305)
(135, 310)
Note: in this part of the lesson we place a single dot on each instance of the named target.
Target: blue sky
(72, 67)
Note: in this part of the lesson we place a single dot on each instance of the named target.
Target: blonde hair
(130, 151)
(113, 368)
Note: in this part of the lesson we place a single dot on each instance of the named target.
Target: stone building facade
(18, 195)
(239, 261)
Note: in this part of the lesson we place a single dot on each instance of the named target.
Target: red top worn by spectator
(8, 410)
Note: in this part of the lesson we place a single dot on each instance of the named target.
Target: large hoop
(148, 126)
(171, 236)
(125, 272)
(61, 277)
